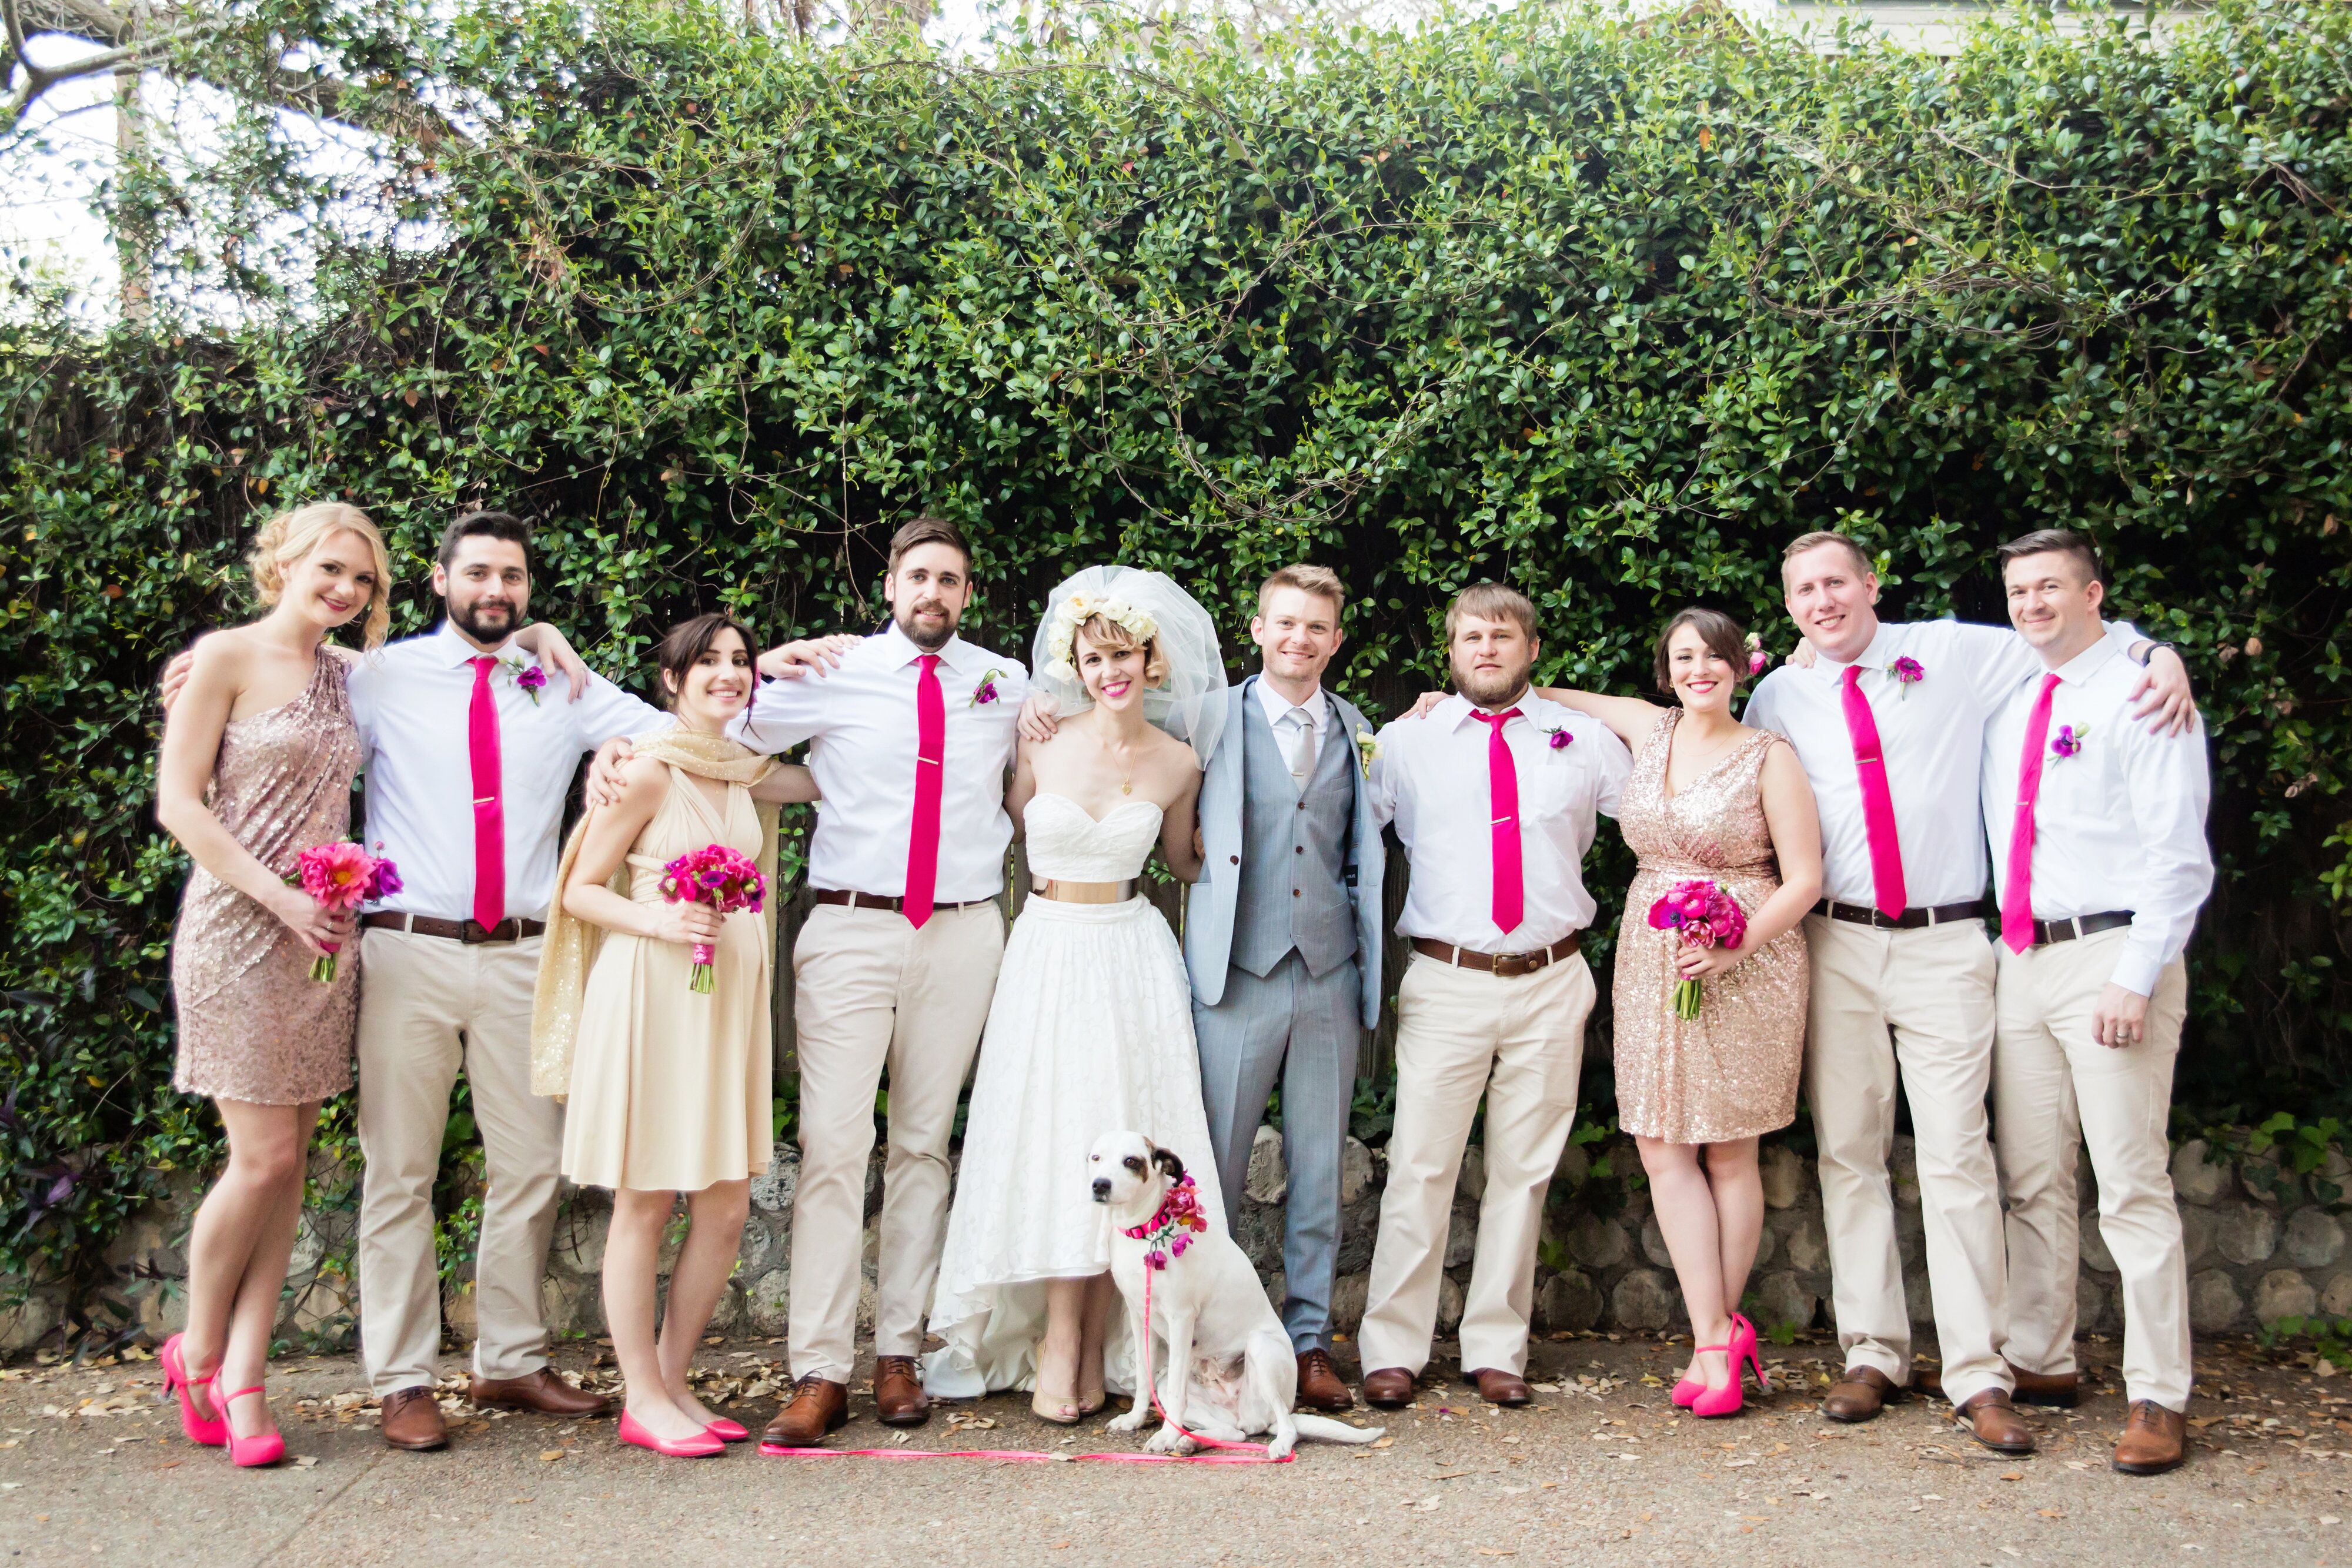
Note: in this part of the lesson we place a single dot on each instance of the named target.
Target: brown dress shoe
(899, 1396)
(2061, 1391)
(541, 1391)
(1993, 1421)
(2155, 1440)
(1859, 1393)
(1498, 1388)
(1390, 1387)
(412, 1420)
(1320, 1388)
(817, 1407)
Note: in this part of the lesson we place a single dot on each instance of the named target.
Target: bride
(1091, 1028)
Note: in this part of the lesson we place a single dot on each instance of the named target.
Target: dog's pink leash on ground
(1232, 1454)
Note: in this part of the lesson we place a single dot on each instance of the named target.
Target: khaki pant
(1932, 990)
(2054, 1085)
(427, 1006)
(871, 992)
(1460, 1034)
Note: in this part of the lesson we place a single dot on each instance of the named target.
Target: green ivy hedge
(1610, 310)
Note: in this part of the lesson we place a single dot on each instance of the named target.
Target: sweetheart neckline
(1089, 816)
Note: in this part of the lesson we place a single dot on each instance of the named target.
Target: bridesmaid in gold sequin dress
(1709, 799)
(260, 751)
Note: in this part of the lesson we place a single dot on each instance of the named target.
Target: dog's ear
(1167, 1161)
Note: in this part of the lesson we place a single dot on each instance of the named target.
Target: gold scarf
(570, 948)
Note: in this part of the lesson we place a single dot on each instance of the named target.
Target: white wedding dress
(1090, 1032)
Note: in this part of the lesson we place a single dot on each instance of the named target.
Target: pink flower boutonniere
(1908, 673)
(1759, 661)
(528, 678)
(986, 691)
(2068, 741)
(1558, 738)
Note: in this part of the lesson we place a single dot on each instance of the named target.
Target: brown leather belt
(471, 932)
(876, 901)
(2048, 931)
(1909, 920)
(1505, 965)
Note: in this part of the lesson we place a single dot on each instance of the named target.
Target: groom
(1283, 939)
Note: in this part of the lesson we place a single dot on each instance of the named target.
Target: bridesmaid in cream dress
(1709, 799)
(669, 1087)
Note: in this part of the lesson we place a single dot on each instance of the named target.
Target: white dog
(1232, 1370)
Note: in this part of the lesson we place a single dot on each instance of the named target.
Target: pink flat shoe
(699, 1446)
(213, 1431)
(256, 1452)
(728, 1431)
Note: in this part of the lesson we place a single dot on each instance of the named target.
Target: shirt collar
(451, 647)
(1276, 705)
(1881, 653)
(1456, 711)
(900, 649)
(2088, 663)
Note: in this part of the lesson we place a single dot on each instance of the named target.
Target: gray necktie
(1298, 746)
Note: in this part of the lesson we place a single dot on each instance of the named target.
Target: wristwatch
(2147, 650)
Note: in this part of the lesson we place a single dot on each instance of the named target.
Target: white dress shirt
(1430, 779)
(1301, 738)
(412, 702)
(860, 720)
(2118, 825)
(1931, 734)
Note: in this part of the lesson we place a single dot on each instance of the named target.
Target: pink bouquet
(722, 878)
(1707, 917)
(341, 876)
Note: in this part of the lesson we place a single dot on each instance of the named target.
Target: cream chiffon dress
(671, 1088)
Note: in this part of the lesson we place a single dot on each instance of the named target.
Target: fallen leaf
(306, 1461)
(2012, 1475)
(549, 1456)
(1426, 1505)
(2051, 1513)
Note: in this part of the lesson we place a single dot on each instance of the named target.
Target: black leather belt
(1505, 965)
(849, 900)
(1909, 920)
(472, 932)
(2048, 931)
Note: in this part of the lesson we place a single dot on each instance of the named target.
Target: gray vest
(1291, 842)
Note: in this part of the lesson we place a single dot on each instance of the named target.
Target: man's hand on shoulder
(175, 674)
(608, 776)
(1038, 722)
(2163, 694)
(817, 656)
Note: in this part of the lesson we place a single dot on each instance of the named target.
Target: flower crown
(1080, 608)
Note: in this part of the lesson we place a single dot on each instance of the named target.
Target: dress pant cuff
(1300, 1343)
(519, 1367)
(1895, 1369)
(1961, 1388)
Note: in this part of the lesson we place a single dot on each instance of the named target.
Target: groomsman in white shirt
(470, 750)
(1493, 796)
(1889, 722)
(2100, 862)
(910, 739)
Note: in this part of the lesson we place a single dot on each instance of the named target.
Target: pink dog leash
(1233, 1454)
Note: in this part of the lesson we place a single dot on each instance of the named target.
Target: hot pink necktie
(1503, 810)
(2017, 890)
(490, 812)
(1877, 805)
(931, 754)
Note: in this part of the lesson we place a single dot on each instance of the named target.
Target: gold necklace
(1127, 769)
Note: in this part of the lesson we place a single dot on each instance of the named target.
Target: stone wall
(2264, 1244)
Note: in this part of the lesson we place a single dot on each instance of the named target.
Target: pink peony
(338, 875)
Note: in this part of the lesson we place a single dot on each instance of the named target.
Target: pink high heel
(1743, 1348)
(256, 1452)
(728, 1431)
(212, 1432)
(699, 1446)
(1740, 1352)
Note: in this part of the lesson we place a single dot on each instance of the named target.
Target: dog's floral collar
(1164, 1235)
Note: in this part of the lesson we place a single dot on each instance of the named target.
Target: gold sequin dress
(254, 1026)
(1730, 1073)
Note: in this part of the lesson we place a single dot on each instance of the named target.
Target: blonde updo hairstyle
(289, 537)
(1107, 634)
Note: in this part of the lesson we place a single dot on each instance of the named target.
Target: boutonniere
(1558, 738)
(1368, 751)
(1759, 661)
(528, 678)
(986, 691)
(1908, 673)
(2068, 741)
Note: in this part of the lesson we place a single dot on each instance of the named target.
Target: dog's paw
(1169, 1440)
(1133, 1420)
(1280, 1447)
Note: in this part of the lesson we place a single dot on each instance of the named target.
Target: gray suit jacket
(1209, 916)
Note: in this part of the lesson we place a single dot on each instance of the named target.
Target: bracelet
(2152, 644)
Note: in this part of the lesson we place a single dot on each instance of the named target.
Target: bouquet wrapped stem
(725, 880)
(1703, 915)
